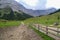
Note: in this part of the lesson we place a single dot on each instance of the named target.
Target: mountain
(40, 12)
(8, 14)
(17, 6)
(55, 12)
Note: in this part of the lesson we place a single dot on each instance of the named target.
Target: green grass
(45, 20)
(44, 36)
(9, 24)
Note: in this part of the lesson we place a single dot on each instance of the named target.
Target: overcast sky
(40, 4)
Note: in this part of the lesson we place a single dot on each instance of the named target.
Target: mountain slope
(17, 6)
(40, 12)
(8, 14)
(46, 20)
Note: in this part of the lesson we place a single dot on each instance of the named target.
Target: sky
(40, 4)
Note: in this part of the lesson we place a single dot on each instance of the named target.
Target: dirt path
(18, 33)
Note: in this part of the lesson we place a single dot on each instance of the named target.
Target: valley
(20, 23)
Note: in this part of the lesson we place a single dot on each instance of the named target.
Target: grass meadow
(9, 23)
(45, 20)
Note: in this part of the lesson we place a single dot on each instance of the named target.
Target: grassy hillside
(45, 20)
(10, 18)
(8, 14)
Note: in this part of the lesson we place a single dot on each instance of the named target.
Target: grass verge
(44, 36)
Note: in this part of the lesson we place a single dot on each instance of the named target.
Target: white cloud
(30, 2)
(33, 4)
(40, 4)
(53, 3)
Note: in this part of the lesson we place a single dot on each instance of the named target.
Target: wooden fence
(55, 32)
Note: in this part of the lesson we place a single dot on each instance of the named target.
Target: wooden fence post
(46, 29)
(57, 31)
(38, 27)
